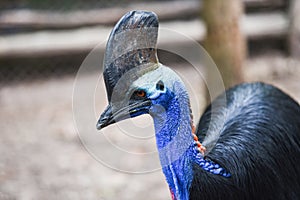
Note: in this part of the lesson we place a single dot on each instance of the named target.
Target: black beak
(111, 115)
(106, 118)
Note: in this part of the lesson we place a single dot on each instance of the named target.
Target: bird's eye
(160, 85)
(140, 93)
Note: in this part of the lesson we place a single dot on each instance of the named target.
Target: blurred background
(43, 44)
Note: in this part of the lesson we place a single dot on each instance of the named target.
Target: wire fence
(15, 69)
(26, 68)
(63, 5)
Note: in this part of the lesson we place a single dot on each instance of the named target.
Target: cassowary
(250, 144)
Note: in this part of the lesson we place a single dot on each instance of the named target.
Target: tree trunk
(224, 41)
(294, 36)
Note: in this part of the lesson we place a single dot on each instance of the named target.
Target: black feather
(259, 144)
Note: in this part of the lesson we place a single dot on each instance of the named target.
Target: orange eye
(141, 93)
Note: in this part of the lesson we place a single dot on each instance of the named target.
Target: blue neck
(175, 143)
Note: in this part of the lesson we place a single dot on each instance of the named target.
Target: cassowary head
(136, 82)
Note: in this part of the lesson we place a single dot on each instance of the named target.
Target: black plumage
(259, 144)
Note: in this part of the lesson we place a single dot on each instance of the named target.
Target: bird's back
(255, 135)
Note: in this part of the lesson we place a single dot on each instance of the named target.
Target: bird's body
(251, 133)
(259, 144)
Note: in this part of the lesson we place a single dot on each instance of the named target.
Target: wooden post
(225, 42)
(294, 36)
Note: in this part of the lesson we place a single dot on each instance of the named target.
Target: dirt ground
(42, 156)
